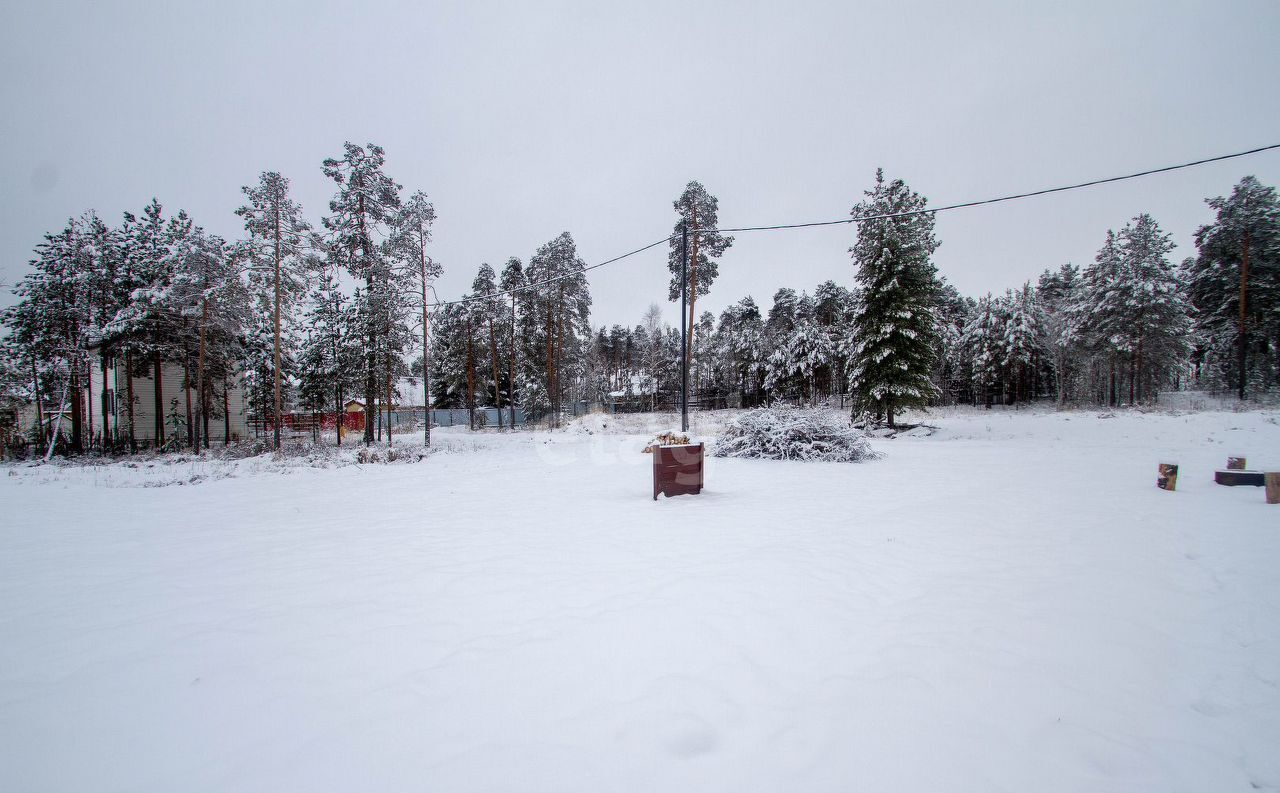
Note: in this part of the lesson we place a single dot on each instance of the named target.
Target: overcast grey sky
(522, 120)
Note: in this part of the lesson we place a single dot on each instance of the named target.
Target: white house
(105, 405)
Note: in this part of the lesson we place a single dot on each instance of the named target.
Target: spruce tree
(983, 341)
(895, 323)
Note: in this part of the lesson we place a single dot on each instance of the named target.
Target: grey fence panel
(487, 417)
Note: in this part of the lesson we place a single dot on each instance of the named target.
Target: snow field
(1008, 604)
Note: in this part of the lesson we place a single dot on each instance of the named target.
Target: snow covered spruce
(787, 433)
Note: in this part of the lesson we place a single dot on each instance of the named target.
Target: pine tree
(513, 284)
(699, 213)
(1233, 285)
(409, 243)
(330, 354)
(489, 310)
(895, 324)
(359, 214)
(52, 319)
(558, 310)
(278, 248)
(150, 332)
(206, 288)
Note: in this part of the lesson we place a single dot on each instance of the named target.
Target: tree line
(1116, 332)
(305, 317)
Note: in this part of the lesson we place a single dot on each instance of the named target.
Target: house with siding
(105, 403)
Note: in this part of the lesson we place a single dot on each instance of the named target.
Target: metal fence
(296, 425)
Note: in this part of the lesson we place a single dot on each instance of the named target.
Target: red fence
(307, 422)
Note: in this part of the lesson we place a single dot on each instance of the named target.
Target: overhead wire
(861, 218)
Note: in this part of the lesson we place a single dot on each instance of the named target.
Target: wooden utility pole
(684, 332)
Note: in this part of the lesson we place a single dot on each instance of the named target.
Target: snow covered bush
(786, 433)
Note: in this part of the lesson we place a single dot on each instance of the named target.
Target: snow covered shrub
(786, 433)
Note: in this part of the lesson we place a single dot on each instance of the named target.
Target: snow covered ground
(1007, 604)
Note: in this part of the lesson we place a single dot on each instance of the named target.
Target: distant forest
(306, 315)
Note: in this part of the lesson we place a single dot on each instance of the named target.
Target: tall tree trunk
(157, 367)
(1142, 376)
(559, 346)
(1111, 382)
(693, 286)
(471, 377)
(551, 367)
(186, 387)
(108, 434)
(128, 384)
(390, 401)
(35, 383)
(1133, 372)
(371, 381)
(426, 350)
(77, 416)
(497, 385)
(1059, 377)
(275, 378)
(1244, 303)
(226, 412)
(202, 417)
(338, 412)
(511, 363)
(88, 399)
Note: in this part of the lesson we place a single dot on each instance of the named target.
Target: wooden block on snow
(1238, 478)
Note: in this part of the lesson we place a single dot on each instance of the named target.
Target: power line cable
(1014, 197)
(859, 218)
(553, 279)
